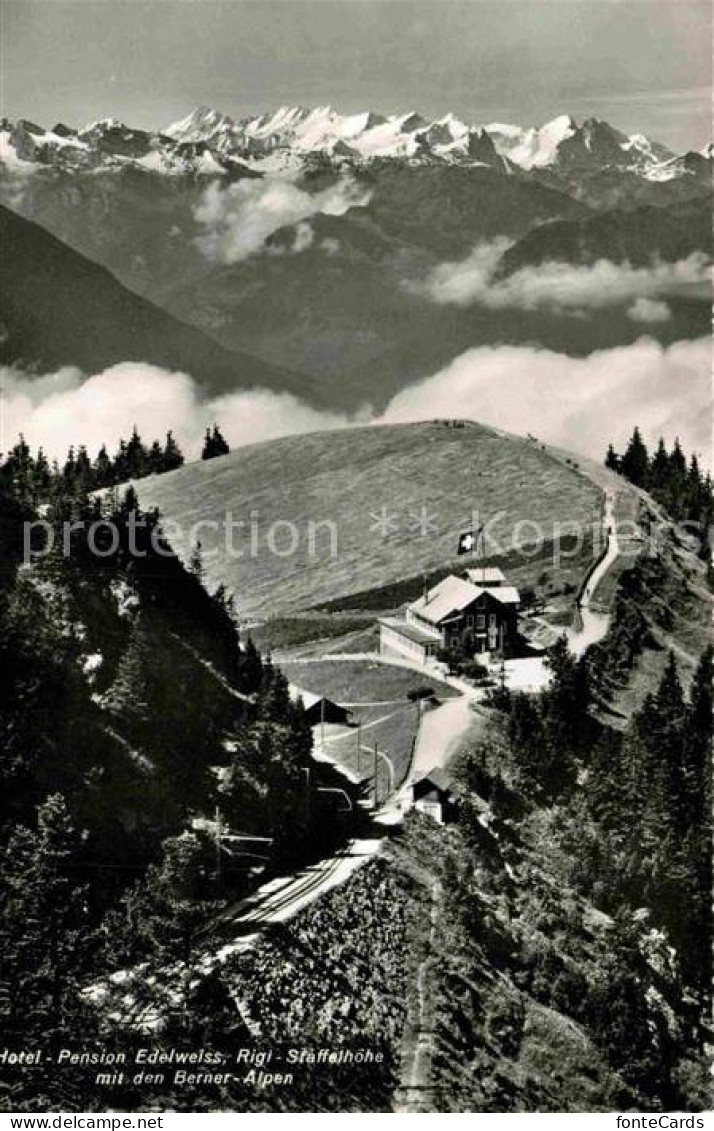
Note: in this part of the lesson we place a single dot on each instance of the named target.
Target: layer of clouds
(560, 286)
(649, 310)
(64, 408)
(237, 220)
(579, 403)
(303, 237)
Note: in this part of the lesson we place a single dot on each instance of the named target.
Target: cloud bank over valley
(565, 287)
(238, 220)
(579, 403)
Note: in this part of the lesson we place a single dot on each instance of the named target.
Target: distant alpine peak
(368, 134)
(199, 125)
(103, 124)
(694, 163)
(531, 148)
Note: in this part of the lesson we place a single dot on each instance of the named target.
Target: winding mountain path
(594, 625)
(440, 732)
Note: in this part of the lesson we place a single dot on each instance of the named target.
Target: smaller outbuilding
(488, 577)
(320, 709)
(435, 795)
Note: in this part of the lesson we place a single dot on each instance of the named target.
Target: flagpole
(482, 540)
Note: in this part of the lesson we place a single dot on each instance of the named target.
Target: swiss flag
(468, 542)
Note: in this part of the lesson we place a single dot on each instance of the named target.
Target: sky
(643, 65)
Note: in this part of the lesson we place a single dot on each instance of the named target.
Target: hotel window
(492, 620)
(481, 620)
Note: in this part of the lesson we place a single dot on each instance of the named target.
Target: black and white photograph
(356, 530)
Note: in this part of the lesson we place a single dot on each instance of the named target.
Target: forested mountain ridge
(659, 593)
(570, 966)
(128, 708)
(107, 617)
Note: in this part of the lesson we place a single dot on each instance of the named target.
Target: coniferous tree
(220, 447)
(677, 461)
(195, 562)
(566, 702)
(103, 468)
(44, 924)
(130, 501)
(83, 473)
(527, 740)
(68, 471)
(19, 469)
(618, 1008)
(155, 459)
(659, 467)
(251, 668)
(660, 723)
(707, 498)
(173, 457)
(162, 923)
(207, 451)
(697, 772)
(682, 490)
(129, 696)
(121, 464)
(136, 456)
(657, 838)
(697, 499)
(698, 743)
(275, 696)
(223, 609)
(674, 494)
(175, 889)
(635, 462)
(214, 444)
(41, 476)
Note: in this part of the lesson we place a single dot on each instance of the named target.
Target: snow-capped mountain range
(210, 143)
(369, 135)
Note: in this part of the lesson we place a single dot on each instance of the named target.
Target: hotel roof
(506, 594)
(451, 595)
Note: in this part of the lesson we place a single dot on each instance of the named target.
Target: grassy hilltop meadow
(351, 477)
(441, 471)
